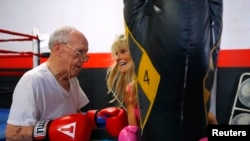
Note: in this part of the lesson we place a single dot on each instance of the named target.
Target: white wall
(101, 21)
(236, 22)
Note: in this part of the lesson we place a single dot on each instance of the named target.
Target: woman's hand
(130, 99)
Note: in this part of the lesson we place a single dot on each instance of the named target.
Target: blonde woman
(121, 83)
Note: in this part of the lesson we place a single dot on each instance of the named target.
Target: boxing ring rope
(28, 37)
(10, 64)
(23, 37)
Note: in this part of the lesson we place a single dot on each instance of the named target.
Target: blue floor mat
(4, 113)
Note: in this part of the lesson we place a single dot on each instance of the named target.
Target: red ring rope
(28, 37)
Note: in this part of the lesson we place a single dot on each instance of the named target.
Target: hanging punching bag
(174, 44)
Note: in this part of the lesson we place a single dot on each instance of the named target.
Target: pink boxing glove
(203, 139)
(129, 133)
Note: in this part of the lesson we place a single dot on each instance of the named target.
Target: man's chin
(76, 74)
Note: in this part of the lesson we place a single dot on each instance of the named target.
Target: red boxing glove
(75, 127)
(96, 121)
(116, 120)
(112, 119)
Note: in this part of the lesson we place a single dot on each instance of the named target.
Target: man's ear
(57, 48)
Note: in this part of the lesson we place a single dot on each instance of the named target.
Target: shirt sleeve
(23, 109)
(82, 97)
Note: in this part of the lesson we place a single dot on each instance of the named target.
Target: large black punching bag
(174, 44)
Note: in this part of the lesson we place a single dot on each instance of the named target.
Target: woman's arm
(130, 100)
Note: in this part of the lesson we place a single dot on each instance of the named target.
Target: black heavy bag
(174, 44)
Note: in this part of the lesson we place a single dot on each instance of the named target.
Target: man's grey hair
(61, 35)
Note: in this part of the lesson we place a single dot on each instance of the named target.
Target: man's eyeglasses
(78, 53)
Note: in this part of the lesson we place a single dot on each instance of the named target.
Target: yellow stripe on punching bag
(147, 78)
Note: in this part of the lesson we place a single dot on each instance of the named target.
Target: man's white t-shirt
(38, 96)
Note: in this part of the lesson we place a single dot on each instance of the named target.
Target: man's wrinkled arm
(18, 133)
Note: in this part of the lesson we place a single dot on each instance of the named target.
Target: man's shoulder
(37, 72)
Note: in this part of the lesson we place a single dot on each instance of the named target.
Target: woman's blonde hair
(117, 81)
